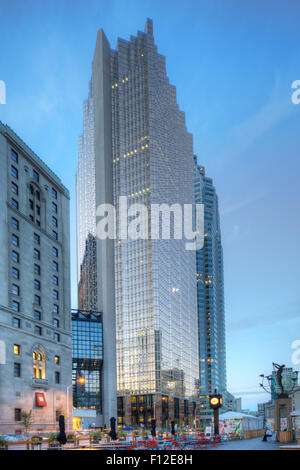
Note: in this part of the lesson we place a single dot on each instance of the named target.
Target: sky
(233, 63)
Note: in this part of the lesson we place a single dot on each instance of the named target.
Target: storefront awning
(40, 399)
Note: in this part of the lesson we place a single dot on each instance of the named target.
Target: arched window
(38, 363)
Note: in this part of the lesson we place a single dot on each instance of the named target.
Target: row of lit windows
(131, 153)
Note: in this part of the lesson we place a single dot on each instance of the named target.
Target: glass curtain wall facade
(152, 163)
(87, 360)
(86, 210)
(210, 292)
(155, 289)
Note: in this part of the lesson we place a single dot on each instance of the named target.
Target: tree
(26, 420)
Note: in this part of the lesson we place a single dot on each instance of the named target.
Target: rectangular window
(37, 315)
(15, 223)
(37, 300)
(36, 176)
(55, 280)
(38, 330)
(18, 414)
(37, 284)
(15, 240)
(54, 221)
(31, 205)
(56, 323)
(54, 235)
(15, 290)
(14, 187)
(15, 256)
(54, 193)
(16, 322)
(57, 360)
(55, 294)
(55, 251)
(14, 172)
(17, 349)
(37, 269)
(54, 207)
(57, 337)
(17, 369)
(36, 254)
(38, 210)
(55, 309)
(15, 273)
(15, 306)
(36, 238)
(14, 155)
(15, 204)
(57, 377)
(54, 266)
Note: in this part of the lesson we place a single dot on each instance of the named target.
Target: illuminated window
(17, 349)
(38, 362)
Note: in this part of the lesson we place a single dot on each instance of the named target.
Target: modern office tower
(135, 145)
(87, 365)
(35, 326)
(210, 292)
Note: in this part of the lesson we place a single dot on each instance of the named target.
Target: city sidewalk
(250, 444)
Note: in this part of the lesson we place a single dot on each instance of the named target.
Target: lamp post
(68, 418)
(215, 402)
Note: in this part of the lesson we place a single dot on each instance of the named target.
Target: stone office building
(35, 324)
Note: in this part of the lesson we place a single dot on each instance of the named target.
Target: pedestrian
(61, 437)
(267, 434)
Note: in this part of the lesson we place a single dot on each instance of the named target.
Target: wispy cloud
(241, 136)
(271, 316)
(233, 206)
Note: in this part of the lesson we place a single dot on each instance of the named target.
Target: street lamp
(68, 419)
(215, 403)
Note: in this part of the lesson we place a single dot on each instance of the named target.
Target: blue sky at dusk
(233, 63)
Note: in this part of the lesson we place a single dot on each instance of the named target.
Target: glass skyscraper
(87, 360)
(210, 291)
(135, 144)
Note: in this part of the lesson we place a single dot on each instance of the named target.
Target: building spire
(149, 27)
